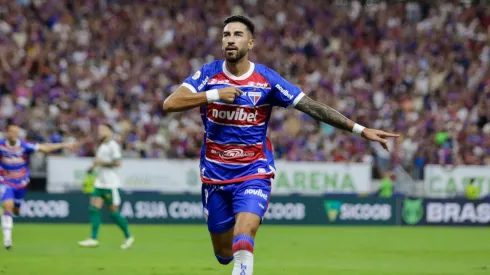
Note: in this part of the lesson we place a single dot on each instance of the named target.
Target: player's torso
(14, 161)
(104, 152)
(245, 120)
(107, 177)
(235, 139)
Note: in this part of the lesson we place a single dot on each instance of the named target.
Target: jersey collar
(242, 77)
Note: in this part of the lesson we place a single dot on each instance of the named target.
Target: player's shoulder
(211, 68)
(266, 72)
(25, 142)
(114, 144)
(3, 142)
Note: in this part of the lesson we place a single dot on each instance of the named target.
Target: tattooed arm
(324, 113)
(285, 94)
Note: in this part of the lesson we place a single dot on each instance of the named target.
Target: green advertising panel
(359, 211)
(153, 208)
(331, 211)
(447, 212)
(137, 208)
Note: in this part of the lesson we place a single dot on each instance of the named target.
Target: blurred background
(418, 68)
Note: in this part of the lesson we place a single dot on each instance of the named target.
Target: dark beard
(239, 55)
(12, 142)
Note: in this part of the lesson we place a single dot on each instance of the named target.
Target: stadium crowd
(417, 69)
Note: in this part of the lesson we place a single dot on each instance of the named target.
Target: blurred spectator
(417, 69)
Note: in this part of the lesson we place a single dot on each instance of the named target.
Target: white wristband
(358, 129)
(212, 95)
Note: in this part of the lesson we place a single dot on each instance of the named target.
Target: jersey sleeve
(283, 93)
(30, 147)
(198, 81)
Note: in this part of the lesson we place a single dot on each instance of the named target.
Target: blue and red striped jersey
(236, 147)
(14, 162)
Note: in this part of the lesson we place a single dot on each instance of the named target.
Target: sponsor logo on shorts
(256, 192)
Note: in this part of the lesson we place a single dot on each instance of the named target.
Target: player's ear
(250, 43)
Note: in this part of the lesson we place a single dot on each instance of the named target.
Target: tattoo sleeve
(324, 113)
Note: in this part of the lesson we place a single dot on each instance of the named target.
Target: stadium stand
(417, 69)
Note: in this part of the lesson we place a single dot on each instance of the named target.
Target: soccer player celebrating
(107, 183)
(236, 97)
(14, 174)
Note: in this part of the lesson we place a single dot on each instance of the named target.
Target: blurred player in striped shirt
(14, 174)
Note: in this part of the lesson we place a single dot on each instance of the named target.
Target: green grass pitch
(286, 250)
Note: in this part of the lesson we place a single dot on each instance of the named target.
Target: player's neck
(12, 143)
(239, 68)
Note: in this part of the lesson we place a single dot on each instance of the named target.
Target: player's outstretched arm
(324, 113)
(51, 147)
(184, 99)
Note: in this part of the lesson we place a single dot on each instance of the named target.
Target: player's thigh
(222, 243)
(250, 202)
(218, 209)
(115, 200)
(8, 197)
(96, 198)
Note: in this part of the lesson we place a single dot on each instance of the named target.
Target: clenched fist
(229, 94)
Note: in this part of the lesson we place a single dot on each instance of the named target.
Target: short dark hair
(10, 123)
(242, 19)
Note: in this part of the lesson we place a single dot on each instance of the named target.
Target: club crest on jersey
(254, 96)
